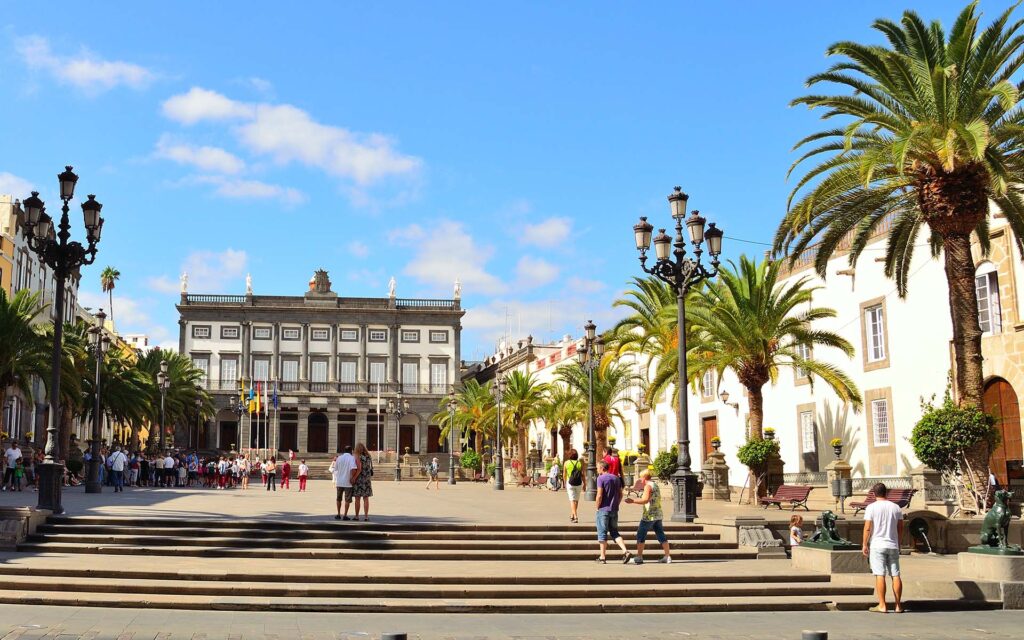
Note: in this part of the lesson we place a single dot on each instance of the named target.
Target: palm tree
(748, 322)
(23, 350)
(563, 408)
(179, 402)
(74, 370)
(521, 403)
(108, 277)
(932, 131)
(612, 383)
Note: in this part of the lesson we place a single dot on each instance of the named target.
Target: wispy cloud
(15, 186)
(208, 272)
(548, 233)
(241, 189)
(445, 253)
(532, 272)
(85, 71)
(202, 157)
(358, 249)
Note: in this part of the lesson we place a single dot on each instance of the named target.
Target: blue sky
(513, 148)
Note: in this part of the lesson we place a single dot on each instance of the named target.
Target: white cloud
(549, 233)
(204, 157)
(545, 320)
(252, 189)
(446, 253)
(287, 134)
(262, 85)
(535, 272)
(208, 272)
(130, 316)
(85, 71)
(582, 285)
(358, 249)
(12, 185)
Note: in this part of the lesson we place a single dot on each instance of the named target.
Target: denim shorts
(607, 525)
(885, 562)
(645, 526)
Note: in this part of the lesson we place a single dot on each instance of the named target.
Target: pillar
(923, 478)
(361, 424)
(361, 365)
(303, 430)
(393, 369)
(390, 434)
(304, 364)
(332, 429)
(332, 366)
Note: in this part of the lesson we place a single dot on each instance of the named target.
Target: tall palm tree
(179, 402)
(612, 383)
(563, 408)
(750, 323)
(521, 403)
(23, 350)
(108, 278)
(74, 370)
(932, 130)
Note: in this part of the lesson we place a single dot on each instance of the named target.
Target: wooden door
(407, 438)
(709, 430)
(433, 435)
(346, 435)
(228, 435)
(289, 437)
(645, 439)
(1001, 401)
(316, 439)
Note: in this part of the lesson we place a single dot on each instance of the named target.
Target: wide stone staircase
(277, 565)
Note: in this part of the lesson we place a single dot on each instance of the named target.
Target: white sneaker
(665, 560)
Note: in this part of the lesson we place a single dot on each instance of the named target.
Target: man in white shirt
(118, 461)
(168, 470)
(345, 470)
(12, 455)
(883, 528)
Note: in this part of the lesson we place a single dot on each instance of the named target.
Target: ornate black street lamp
(452, 406)
(682, 274)
(398, 408)
(64, 257)
(498, 391)
(163, 381)
(589, 354)
(101, 343)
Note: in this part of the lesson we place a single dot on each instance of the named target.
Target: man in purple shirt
(609, 494)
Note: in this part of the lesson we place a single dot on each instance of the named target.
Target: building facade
(334, 362)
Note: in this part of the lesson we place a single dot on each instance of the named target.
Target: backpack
(576, 475)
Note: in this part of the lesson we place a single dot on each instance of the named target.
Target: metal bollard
(394, 635)
(814, 635)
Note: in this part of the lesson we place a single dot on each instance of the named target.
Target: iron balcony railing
(370, 388)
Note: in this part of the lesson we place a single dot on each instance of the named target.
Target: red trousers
(302, 483)
(221, 480)
(284, 481)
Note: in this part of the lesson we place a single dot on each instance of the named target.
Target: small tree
(956, 442)
(666, 463)
(754, 455)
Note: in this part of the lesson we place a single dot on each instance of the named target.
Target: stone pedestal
(640, 464)
(923, 478)
(827, 561)
(716, 477)
(983, 566)
(753, 531)
(410, 465)
(837, 470)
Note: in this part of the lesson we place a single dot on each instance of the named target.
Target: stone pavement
(70, 623)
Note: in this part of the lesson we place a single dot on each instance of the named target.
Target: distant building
(137, 341)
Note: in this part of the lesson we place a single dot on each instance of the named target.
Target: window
(707, 384)
(349, 335)
(438, 336)
(229, 333)
(203, 364)
(803, 351)
(347, 372)
(290, 370)
(261, 333)
(200, 332)
(410, 376)
(438, 377)
(880, 419)
(291, 333)
(320, 335)
(986, 285)
(318, 371)
(874, 321)
(228, 371)
(410, 336)
(808, 436)
(662, 433)
(261, 369)
(378, 372)
(378, 335)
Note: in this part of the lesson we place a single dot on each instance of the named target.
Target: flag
(259, 398)
(241, 390)
(266, 398)
(275, 394)
(252, 397)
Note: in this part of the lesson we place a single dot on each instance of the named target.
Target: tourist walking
(271, 469)
(432, 472)
(118, 462)
(243, 468)
(574, 478)
(344, 469)
(11, 457)
(609, 494)
(614, 463)
(883, 528)
(286, 473)
(652, 519)
(303, 475)
(362, 488)
(554, 475)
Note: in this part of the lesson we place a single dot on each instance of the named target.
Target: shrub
(835, 442)
(490, 469)
(754, 454)
(944, 434)
(666, 463)
(470, 459)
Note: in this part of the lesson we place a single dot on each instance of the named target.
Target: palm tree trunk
(963, 308)
(521, 446)
(756, 413)
(3, 402)
(110, 294)
(600, 434)
(566, 434)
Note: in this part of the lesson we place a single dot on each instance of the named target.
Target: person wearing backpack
(574, 479)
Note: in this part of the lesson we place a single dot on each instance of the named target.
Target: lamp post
(452, 405)
(589, 355)
(100, 343)
(682, 274)
(498, 390)
(199, 419)
(64, 257)
(398, 408)
(164, 382)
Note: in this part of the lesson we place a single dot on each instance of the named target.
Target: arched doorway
(227, 429)
(317, 434)
(1007, 459)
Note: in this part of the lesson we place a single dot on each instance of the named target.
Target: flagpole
(377, 418)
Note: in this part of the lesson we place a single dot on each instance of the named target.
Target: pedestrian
(245, 471)
(553, 475)
(11, 457)
(883, 528)
(303, 475)
(168, 478)
(614, 463)
(574, 478)
(19, 473)
(362, 488)
(796, 530)
(222, 472)
(652, 518)
(609, 494)
(432, 471)
(271, 469)
(345, 469)
(118, 462)
(286, 474)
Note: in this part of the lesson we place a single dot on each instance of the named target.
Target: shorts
(345, 493)
(885, 562)
(574, 492)
(645, 526)
(607, 525)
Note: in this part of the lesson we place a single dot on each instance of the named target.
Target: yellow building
(6, 263)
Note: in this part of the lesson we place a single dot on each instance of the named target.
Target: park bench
(899, 496)
(795, 495)
(636, 490)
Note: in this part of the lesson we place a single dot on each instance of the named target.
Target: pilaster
(361, 365)
(275, 366)
(332, 429)
(393, 364)
(332, 366)
(304, 365)
(181, 335)
(303, 428)
(361, 424)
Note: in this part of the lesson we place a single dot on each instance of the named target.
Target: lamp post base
(93, 487)
(92, 483)
(499, 479)
(684, 496)
(451, 473)
(398, 474)
(50, 476)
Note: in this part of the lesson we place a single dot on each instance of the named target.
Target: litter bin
(842, 488)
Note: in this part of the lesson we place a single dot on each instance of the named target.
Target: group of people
(18, 471)
(353, 479)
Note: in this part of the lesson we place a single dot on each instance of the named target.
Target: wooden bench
(899, 496)
(795, 495)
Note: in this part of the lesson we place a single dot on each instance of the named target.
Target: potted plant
(837, 447)
(769, 433)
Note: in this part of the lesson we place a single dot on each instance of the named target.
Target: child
(796, 530)
(303, 474)
(19, 473)
(286, 473)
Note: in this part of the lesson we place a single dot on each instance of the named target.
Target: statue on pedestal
(826, 537)
(248, 284)
(391, 287)
(995, 529)
(184, 282)
(458, 289)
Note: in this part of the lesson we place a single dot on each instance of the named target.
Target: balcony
(346, 388)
